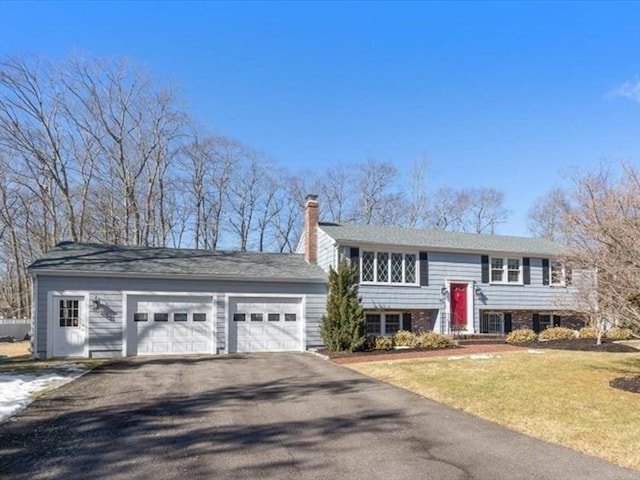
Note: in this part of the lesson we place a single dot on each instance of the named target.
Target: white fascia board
(174, 276)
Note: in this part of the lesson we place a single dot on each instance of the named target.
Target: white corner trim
(34, 315)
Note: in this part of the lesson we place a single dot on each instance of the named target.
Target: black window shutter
(545, 271)
(556, 320)
(536, 323)
(354, 258)
(507, 323)
(568, 275)
(424, 269)
(485, 268)
(406, 322)
(526, 271)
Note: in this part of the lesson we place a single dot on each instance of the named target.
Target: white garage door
(265, 325)
(170, 325)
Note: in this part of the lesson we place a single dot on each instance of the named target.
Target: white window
(497, 270)
(388, 267)
(513, 270)
(557, 273)
(491, 322)
(506, 270)
(383, 323)
(367, 273)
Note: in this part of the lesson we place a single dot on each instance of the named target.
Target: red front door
(458, 305)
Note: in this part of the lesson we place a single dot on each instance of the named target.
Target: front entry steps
(478, 339)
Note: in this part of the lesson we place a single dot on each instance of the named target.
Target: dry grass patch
(558, 396)
(15, 349)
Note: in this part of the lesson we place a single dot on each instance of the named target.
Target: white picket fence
(15, 327)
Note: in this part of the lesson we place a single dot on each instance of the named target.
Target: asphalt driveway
(273, 416)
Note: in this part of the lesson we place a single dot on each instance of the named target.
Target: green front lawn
(558, 396)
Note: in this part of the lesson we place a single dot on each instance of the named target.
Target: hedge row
(403, 338)
(524, 335)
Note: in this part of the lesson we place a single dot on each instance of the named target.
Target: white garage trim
(303, 312)
(51, 317)
(125, 313)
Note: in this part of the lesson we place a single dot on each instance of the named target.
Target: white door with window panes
(70, 326)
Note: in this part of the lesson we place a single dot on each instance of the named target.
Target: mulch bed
(628, 384)
(405, 354)
(582, 345)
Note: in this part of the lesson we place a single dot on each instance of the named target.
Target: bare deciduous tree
(477, 210)
(545, 219)
(603, 227)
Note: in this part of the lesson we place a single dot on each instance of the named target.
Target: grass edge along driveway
(558, 396)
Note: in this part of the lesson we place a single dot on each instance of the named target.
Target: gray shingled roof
(117, 259)
(407, 237)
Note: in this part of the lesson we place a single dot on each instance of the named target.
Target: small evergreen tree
(342, 326)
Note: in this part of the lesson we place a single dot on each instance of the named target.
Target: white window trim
(491, 312)
(563, 274)
(383, 321)
(505, 270)
(404, 268)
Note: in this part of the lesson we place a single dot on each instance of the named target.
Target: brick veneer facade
(524, 319)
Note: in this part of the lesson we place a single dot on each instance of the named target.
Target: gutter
(170, 276)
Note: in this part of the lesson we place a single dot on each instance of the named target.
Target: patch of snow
(534, 352)
(455, 357)
(17, 389)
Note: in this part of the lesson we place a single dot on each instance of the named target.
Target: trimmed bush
(617, 333)
(588, 332)
(403, 338)
(382, 343)
(521, 335)
(432, 341)
(558, 333)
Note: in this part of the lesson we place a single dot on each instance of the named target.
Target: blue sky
(497, 94)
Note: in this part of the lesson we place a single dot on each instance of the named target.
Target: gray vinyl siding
(445, 267)
(105, 327)
(326, 251)
(316, 307)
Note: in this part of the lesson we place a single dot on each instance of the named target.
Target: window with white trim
(506, 270)
(557, 273)
(382, 323)
(388, 267)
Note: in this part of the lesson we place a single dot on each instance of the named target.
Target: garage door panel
(273, 332)
(173, 324)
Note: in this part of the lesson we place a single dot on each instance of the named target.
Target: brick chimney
(311, 229)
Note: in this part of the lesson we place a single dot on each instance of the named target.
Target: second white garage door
(162, 324)
(259, 324)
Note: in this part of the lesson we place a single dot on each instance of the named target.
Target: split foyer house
(109, 300)
(447, 282)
